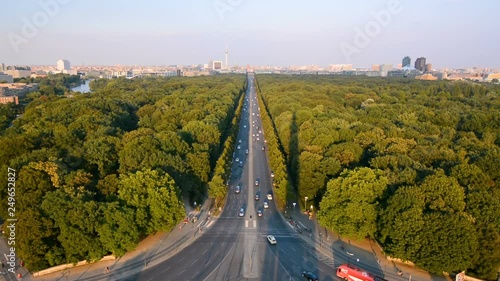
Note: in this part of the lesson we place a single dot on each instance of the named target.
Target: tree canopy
(412, 164)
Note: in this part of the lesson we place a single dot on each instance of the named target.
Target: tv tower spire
(227, 65)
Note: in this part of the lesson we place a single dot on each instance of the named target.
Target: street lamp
(305, 199)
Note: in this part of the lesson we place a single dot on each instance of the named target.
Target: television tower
(227, 65)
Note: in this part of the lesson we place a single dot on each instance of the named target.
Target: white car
(237, 160)
(269, 196)
(242, 212)
(266, 205)
(271, 239)
(238, 147)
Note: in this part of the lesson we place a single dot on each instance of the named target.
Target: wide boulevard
(235, 247)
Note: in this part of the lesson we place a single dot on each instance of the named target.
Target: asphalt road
(235, 247)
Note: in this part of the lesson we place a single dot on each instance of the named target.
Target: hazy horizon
(449, 33)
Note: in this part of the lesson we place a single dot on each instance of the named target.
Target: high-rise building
(406, 61)
(2, 67)
(63, 65)
(428, 67)
(420, 64)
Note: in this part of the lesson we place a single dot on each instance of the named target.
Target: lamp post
(305, 200)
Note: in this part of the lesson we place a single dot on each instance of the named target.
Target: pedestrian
(21, 263)
(19, 276)
(107, 269)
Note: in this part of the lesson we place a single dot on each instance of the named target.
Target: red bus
(353, 273)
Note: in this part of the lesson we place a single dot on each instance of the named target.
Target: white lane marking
(293, 249)
(302, 225)
(166, 269)
(194, 261)
(180, 272)
(209, 224)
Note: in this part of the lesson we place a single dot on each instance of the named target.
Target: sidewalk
(149, 252)
(363, 252)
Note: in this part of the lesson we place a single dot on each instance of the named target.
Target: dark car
(309, 276)
(257, 196)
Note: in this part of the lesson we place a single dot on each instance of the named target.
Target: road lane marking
(303, 225)
(293, 249)
(194, 261)
(209, 224)
(181, 272)
(166, 269)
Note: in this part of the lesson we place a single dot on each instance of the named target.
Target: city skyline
(255, 33)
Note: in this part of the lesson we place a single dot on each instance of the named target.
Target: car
(266, 205)
(263, 148)
(253, 135)
(239, 141)
(258, 139)
(309, 276)
(257, 182)
(269, 196)
(244, 126)
(260, 131)
(237, 160)
(238, 147)
(271, 239)
(246, 151)
(237, 190)
(240, 164)
(242, 212)
(272, 174)
(259, 213)
(257, 196)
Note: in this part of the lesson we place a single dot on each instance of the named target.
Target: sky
(449, 33)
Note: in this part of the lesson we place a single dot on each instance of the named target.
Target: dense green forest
(411, 164)
(97, 173)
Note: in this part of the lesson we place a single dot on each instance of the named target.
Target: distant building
(2, 67)
(428, 67)
(6, 78)
(385, 68)
(375, 67)
(406, 61)
(9, 99)
(16, 73)
(427, 77)
(420, 64)
(340, 67)
(63, 65)
(217, 65)
(492, 76)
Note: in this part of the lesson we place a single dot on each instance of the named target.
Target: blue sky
(450, 33)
